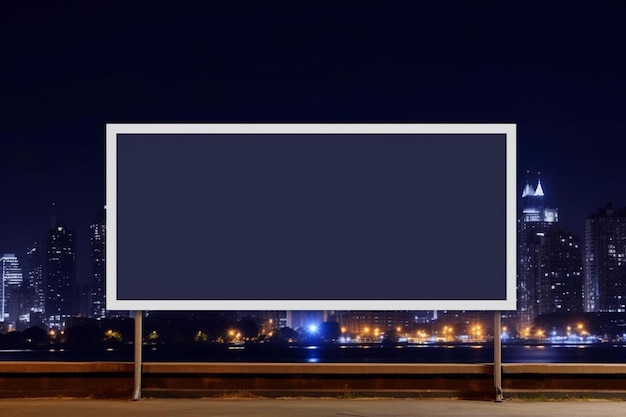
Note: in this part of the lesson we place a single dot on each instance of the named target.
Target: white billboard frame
(506, 129)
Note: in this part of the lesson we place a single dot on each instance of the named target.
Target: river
(350, 353)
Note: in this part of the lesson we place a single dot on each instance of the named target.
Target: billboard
(311, 216)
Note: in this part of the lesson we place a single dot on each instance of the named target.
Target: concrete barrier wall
(115, 380)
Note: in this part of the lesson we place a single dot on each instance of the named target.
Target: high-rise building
(60, 275)
(535, 221)
(10, 294)
(605, 261)
(35, 278)
(98, 262)
(559, 284)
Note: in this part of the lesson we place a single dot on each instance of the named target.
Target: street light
(476, 332)
(504, 334)
(447, 333)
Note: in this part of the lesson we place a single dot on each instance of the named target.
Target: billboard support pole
(497, 355)
(138, 346)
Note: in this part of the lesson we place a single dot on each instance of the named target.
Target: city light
(447, 333)
(505, 334)
(476, 332)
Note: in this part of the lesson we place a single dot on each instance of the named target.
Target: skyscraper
(35, 278)
(559, 284)
(60, 275)
(536, 219)
(98, 262)
(605, 260)
(10, 294)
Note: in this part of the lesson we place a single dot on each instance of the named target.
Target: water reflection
(335, 353)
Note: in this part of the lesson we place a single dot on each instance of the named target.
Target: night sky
(559, 72)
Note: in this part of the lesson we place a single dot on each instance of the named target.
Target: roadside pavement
(308, 407)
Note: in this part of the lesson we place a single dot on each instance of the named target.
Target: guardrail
(181, 379)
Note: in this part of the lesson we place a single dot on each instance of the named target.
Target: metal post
(138, 347)
(497, 355)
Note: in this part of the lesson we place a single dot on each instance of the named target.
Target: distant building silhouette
(98, 262)
(356, 321)
(82, 299)
(60, 275)
(605, 260)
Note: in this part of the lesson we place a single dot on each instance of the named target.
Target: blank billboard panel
(311, 216)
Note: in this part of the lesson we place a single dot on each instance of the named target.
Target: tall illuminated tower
(60, 275)
(11, 275)
(98, 261)
(605, 260)
(35, 278)
(536, 219)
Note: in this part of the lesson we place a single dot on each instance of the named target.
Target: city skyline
(561, 83)
(550, 274)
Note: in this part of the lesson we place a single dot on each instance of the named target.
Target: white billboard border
(507, 129)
